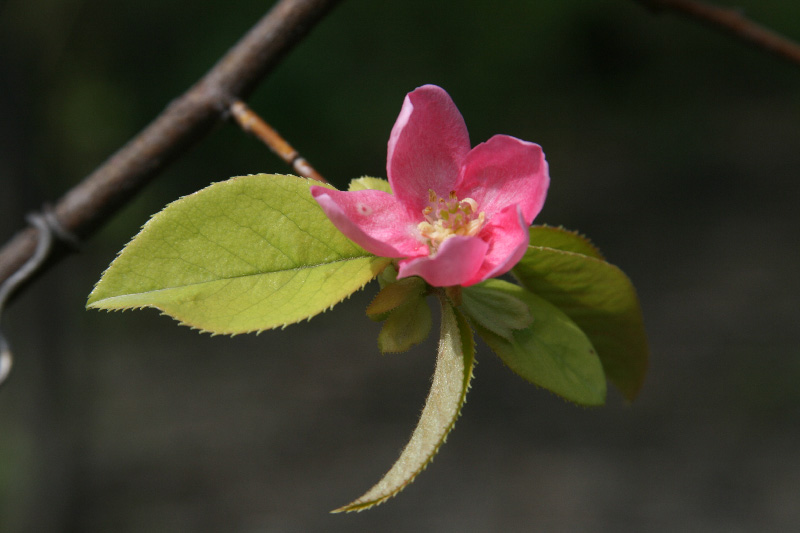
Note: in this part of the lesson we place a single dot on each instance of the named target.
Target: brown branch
(85, 207)
(252, 123)
(732, 22)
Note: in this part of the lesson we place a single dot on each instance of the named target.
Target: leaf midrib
(230, 278)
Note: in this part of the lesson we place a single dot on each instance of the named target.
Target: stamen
(445, 218)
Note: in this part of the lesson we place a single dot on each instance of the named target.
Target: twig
(85, 207)
(731, 21)
(252, 123)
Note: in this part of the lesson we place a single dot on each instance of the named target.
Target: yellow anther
(445, 218)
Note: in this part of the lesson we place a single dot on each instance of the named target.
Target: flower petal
(457, 260)
(427, 146)
(505, 171)
(374, 220)
(508, 237)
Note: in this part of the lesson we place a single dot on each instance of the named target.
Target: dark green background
(675, 148)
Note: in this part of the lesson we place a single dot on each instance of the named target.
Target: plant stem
(88, 205)
(252, 123)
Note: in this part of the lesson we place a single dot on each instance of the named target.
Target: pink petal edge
(505, 171)
(456, 262)
(427, 146)
(374, 220)
(508, 236)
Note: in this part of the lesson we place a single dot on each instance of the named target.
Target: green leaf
(247, 254)
(406, 325)
(406, 315)
(451, 380)
(387, 276)
(396, 294)
(601, 300)
(552, 352)
(497, 311)
(368, 183)
(562, 239)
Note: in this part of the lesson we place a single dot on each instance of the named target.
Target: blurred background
(675, 148)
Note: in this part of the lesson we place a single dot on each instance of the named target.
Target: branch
(731, 21)
(88, 205)
(250, 122)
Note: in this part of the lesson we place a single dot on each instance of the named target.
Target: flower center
(445, 218)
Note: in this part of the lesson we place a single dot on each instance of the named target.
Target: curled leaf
(450, 383)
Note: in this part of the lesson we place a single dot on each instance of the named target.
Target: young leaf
(552, 352)
(394, 295)
(497, 311)
(368, 183)
(450, 383)
(601, 300)
(247, 254)
(406, 325)
(562, 239)
(387, 276)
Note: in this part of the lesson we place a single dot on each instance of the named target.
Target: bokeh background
(675, 148)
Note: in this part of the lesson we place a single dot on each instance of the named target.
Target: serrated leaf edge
(144, 227)
(376, 259)
(630, 394)
(598, 254)
(465, 333)
(486, 333)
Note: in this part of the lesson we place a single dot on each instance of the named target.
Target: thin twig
(731, 21)
(252, 123)
(88, 205)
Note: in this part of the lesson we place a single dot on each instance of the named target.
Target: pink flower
(458, 216)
